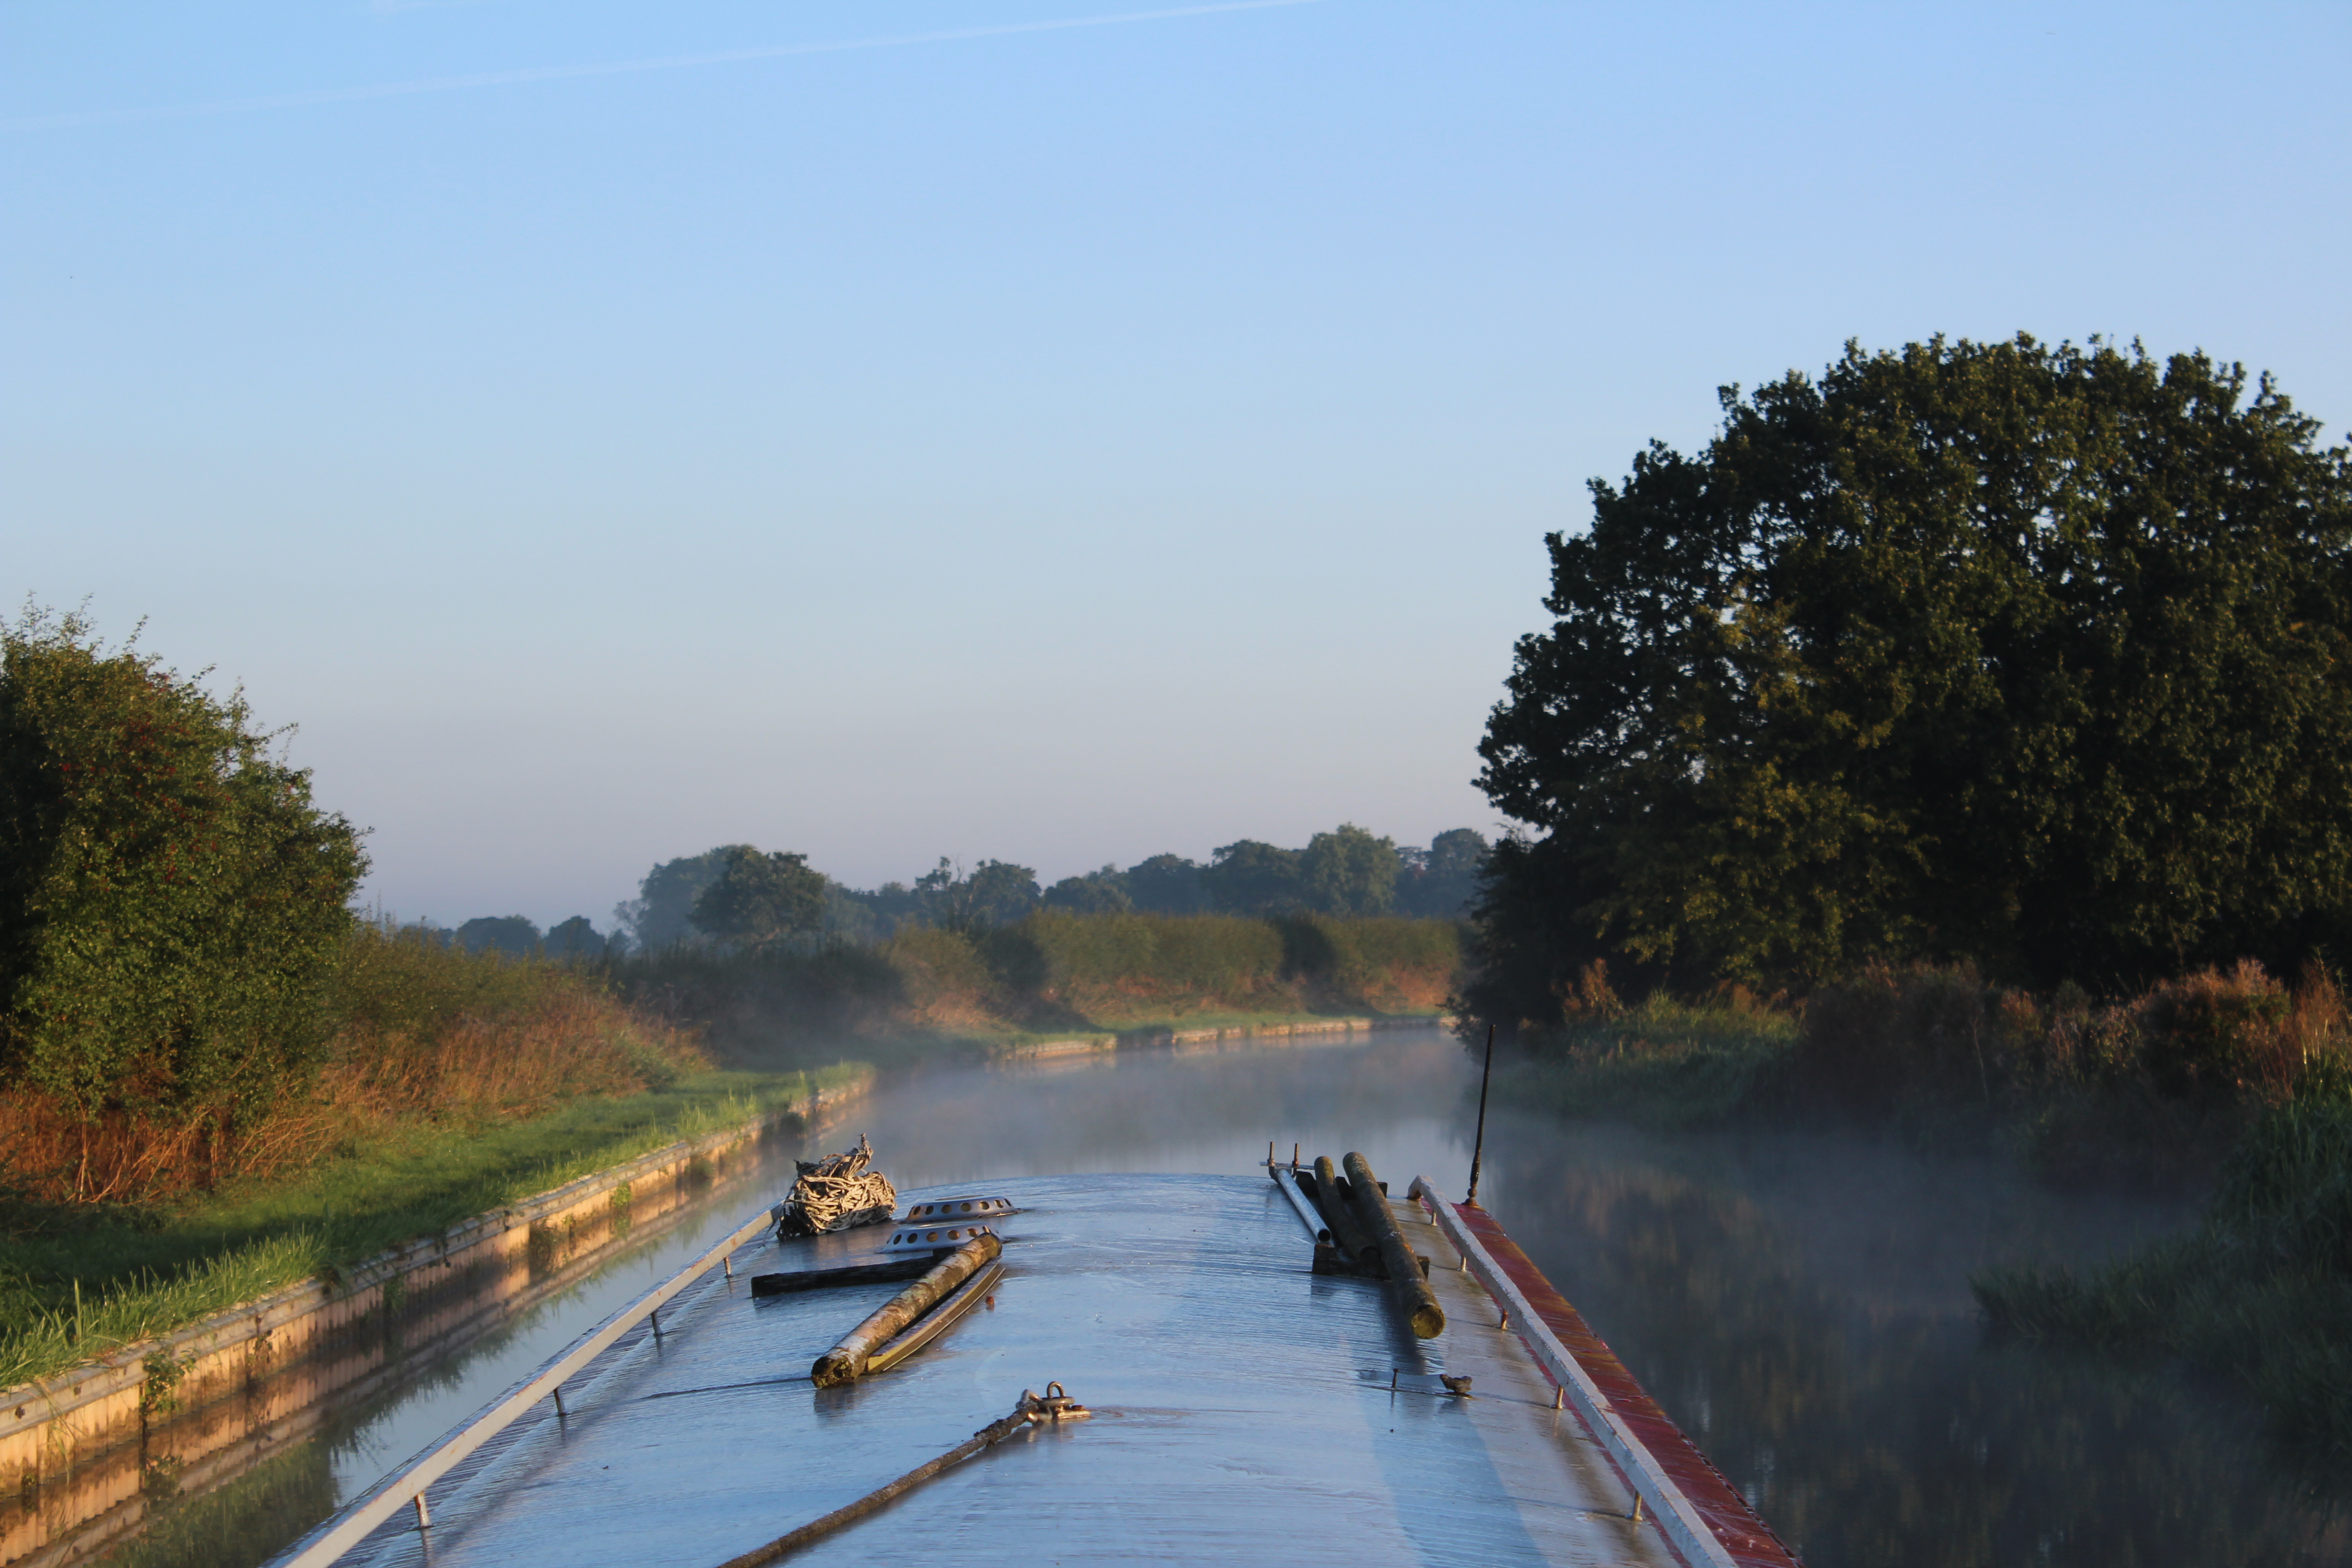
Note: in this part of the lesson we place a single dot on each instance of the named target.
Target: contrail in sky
(616, 67)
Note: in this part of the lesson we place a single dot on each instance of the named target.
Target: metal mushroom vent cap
(905, 1238)
(948, 1211)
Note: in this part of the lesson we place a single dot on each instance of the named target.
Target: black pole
(1478, 1148)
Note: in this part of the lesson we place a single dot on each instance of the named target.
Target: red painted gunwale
(1748, 1539)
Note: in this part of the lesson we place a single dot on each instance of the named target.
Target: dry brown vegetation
(2236, 1034)
(420, 1033)
(2154, 1087)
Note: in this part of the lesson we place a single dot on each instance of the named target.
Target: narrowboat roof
(1244, 1409)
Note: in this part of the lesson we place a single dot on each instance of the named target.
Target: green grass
(143, 1273)
(1662, 1064)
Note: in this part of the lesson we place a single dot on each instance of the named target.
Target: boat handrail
(406, 1486)
(1677, 1516)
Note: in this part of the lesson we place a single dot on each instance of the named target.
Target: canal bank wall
(94, 1441)
(1233, 1034)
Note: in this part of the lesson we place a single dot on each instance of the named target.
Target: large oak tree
(2037, 656)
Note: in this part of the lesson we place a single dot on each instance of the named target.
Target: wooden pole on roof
(1331, 1197)
(847, 1361)
(1413, 1296)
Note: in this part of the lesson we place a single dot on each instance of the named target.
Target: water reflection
(1799, 1304)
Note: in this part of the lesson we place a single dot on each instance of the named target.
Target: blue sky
(1054, 444)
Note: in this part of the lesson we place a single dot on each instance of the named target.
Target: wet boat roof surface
(1242, 1411)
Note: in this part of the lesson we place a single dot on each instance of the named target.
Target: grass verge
(80, 1281)
(1659, 1064)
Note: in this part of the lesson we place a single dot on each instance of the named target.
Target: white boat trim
(1676, 1517)
(404, 1486)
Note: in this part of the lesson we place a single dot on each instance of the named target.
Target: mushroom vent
(934, 1238)
(946, 1211)
(947, 1222)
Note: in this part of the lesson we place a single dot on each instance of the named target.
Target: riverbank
(2227, 1081)
(87, 1282)
(136, 1284)
(211, 1401)
(83, 1283)
(92, 1452)
(2152, 1089)
(1210, 1031)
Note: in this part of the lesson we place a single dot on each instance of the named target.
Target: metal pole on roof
(1478, 1147)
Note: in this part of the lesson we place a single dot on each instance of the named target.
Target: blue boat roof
(1242, 1411)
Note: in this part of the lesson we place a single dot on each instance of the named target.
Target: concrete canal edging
(1082, 1044)
(86, 1423)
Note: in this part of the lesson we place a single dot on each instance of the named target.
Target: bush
(2218, 1029)
(1383, 960)
(774, 1006)
(426, 1031)
(1106, 962)
(170, 901)
(2217, 1035)
(1890, 1031)
(941, 974)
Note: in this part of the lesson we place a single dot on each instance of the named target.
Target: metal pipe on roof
(1287, 1180)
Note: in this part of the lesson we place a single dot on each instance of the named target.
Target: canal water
(1799, 1304)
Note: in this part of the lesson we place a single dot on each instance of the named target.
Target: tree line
(742, 895)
